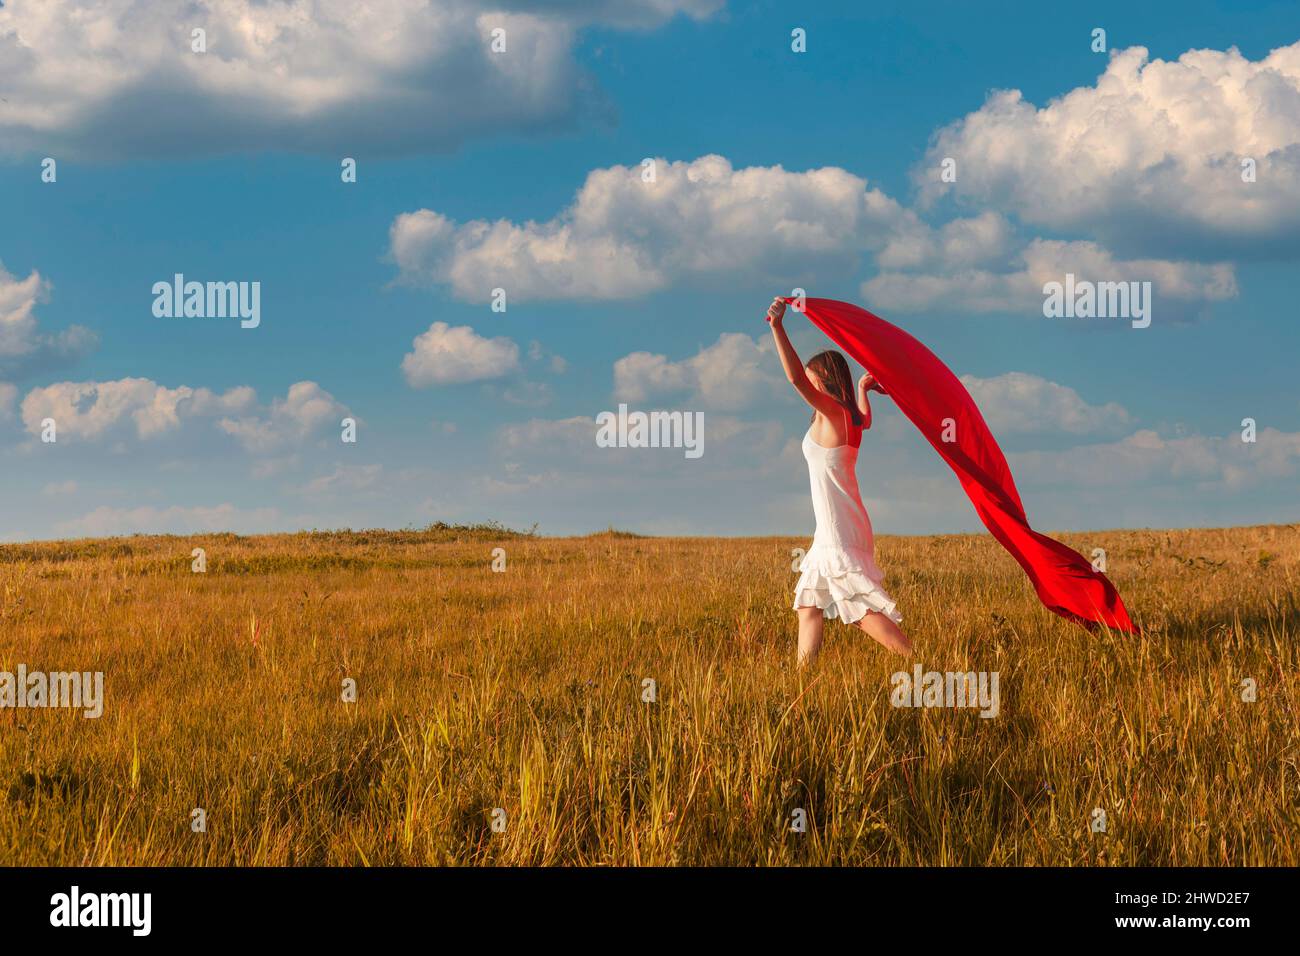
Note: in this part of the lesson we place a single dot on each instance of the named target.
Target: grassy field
(523, 690)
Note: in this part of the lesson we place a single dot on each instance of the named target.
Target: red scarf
(929, 394)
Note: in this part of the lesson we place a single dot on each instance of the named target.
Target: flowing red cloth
(929, 394)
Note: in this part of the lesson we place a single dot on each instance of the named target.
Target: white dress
(839, 572)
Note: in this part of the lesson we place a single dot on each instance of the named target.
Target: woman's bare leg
(811, 623)
(884, 631)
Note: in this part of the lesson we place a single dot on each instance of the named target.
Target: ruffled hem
(843, 583)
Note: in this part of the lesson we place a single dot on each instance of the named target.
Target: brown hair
(833, 370)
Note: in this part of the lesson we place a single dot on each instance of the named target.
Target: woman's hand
(776, 311)
(868, 383)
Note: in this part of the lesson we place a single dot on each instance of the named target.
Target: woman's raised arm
(793, 366)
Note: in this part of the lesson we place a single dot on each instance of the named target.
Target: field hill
(380, 697)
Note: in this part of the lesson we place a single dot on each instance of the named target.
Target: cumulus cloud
(450, 355)
(120, 78)
(1150, 154)
(24, 348)
(304, 412)
(730, 374)
(1020, 402)
(142, 409)
(959, 244)
(1180, 290)
(95, 410)
(1147, 458)
(623, 237)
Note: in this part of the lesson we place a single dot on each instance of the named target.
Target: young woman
(838, 576)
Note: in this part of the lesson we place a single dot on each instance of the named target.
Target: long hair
(833, 369)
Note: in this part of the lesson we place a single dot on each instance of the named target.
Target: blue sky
(224, 165)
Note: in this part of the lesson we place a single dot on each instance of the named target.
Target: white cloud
(959, 244)
(730, 374)
(95, 410)
(448, 355)
(1145, 458)
(59, 489)
(119, 77)
(24, 347)
(304, 412)
(143, 409)
(1020, 402)
(1152, 151)
(623, 237)
(1179, 289)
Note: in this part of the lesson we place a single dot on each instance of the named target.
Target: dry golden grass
(523, 690)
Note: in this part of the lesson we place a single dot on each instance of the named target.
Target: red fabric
(927, 392)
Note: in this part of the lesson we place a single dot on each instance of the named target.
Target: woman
(838, 576)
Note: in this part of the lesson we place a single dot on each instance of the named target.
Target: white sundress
(839, 572)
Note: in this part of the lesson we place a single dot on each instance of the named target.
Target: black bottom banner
(335, 905)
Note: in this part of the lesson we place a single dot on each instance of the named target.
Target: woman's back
(830, 431)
